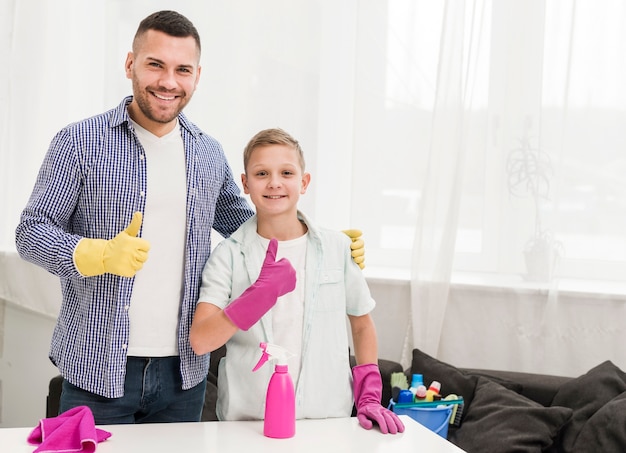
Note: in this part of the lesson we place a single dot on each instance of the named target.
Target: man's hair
(272, 137)
(170, 23)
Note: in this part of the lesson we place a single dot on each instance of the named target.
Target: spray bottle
(280, 402)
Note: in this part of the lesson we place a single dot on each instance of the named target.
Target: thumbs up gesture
(123, 255)
(276, 279)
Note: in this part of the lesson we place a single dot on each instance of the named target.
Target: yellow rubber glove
(123, 255)
(357, 246)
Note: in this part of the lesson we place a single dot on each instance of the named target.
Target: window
(546, 80)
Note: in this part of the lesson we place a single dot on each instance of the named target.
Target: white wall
(391, 316)
(25, 369)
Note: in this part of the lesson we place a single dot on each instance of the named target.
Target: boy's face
(274, 179)
(165, 72)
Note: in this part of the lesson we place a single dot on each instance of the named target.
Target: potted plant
(529, 171)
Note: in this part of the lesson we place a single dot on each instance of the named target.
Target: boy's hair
(170, 23)
(272, 137)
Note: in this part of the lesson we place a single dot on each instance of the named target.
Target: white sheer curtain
(522, 190)
(455, 134)
(438, 221)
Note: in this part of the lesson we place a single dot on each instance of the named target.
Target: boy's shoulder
(333, 237)
(336, 234)
(323, 232)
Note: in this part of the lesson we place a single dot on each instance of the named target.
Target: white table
(342, 435)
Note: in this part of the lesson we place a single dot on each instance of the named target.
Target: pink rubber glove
(276, 278)
(368, 386)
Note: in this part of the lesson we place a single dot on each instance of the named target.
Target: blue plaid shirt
(92, 179)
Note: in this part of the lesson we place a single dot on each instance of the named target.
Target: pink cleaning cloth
(71, 431)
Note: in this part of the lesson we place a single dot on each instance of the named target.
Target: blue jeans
(152, 394)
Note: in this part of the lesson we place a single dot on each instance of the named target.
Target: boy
(317, 283)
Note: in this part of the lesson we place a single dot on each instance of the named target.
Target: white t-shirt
(155, 303)
(288, 313)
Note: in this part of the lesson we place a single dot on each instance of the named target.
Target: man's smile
(164, 97)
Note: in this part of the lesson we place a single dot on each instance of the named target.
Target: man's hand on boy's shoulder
(357, 246)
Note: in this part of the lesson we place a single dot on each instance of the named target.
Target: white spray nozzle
(274, 352)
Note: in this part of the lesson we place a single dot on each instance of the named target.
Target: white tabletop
(328, 435)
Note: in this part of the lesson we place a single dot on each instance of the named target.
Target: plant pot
(541, 256)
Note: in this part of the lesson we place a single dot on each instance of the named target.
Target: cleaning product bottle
(280, 401)
(420, 393)
(416, 381)
(433, 390)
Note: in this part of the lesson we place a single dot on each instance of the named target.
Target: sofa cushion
(500, 420)
(586, 395)
(451, 378)
(604, 431)
(500, 377)
(540, 388)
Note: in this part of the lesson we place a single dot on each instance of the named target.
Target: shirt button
(126, 307)
(124, 346)
(142, 194)
(141, 157)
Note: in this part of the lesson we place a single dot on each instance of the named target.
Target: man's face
(165, 72)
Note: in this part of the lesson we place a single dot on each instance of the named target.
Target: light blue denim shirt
(92, 179)
(334, 288)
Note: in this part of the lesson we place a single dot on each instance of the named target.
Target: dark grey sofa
(508, 411)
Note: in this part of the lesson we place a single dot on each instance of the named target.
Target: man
(140, 170)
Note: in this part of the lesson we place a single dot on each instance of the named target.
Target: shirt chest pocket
(331, 294)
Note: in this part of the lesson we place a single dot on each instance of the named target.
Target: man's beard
(142, 97)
